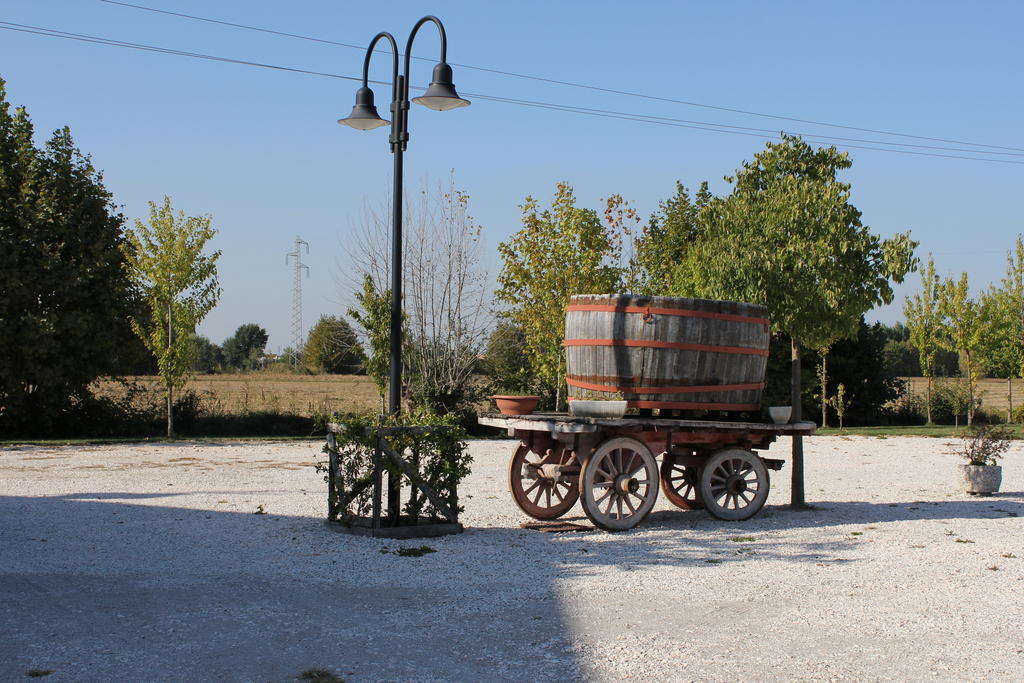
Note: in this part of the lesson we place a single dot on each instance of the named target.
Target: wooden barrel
(666, 352)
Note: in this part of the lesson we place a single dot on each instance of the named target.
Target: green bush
(950, 400)
(433, 445)
(984, 445)
(908, 409)
(132, 411)
(989, 417)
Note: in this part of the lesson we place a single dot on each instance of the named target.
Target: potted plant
(515, 404)
(983, 445)
(598, 404)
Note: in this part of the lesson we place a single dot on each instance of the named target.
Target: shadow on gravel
(94, 586)
(824, 513)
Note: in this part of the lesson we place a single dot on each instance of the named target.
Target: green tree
(1001, 346)
(858, 363)
(244, 349)
(841, 401)
(178, 281)
(823, 379)
(559, 251)
(373, 316)
(788, 237)
(964, 325)
(924, 323)
(332, 347)
(667, 239)
(901, 359)
(64, 296)
(207, 357)
(896, 332)
(506, 363)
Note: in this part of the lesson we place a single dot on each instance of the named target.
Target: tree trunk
(970, 391)
(797, 497)
(558, 392)
(170, 389)
(1009, 400)
(824, 389)
(928, 399)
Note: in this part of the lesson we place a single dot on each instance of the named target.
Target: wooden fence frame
(372, 526)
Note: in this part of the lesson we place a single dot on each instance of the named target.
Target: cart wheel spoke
(538, 496)
(532, 490)
(608, 478)
(632, 510)
(611, 504)
(680, 482)
(734, 484)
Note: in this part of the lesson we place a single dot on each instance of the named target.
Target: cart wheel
(734, 484)
(680, 483)
(619, 484)
(537, 484)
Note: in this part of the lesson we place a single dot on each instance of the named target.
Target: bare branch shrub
(445, 294)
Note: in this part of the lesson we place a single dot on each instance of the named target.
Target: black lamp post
(441, 96)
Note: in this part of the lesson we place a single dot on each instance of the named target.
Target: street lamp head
(441, 95)
(364, 114)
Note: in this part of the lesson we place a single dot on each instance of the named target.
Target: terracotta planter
(516, 405)
(982, 479)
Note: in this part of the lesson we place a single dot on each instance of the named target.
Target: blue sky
(259, 149)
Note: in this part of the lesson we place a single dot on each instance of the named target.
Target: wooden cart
(610, 465)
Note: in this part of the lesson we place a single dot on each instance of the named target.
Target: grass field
(308, 395)
(991, 391)
(243, 393)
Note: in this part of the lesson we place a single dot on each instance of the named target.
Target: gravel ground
(147, 563)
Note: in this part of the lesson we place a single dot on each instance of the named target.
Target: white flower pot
(780, 414)
(982, 479)
(581, 408)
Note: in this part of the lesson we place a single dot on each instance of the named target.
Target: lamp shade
(364, 114)
(440, 94)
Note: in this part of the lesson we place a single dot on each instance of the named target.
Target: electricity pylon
(297, 339)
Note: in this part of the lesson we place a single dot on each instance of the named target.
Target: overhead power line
(641, 118)
(53, 33)
(555, 81)
(660, 121)
(700, 124)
